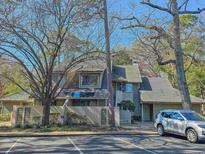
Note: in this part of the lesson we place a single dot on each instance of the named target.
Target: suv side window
(166, 114)
(176, 116)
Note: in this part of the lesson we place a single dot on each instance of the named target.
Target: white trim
(13, 145)
(77, 148)
(139, 147)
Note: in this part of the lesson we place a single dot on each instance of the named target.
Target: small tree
(127, 105)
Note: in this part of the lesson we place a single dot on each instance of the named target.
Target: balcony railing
(85, 93)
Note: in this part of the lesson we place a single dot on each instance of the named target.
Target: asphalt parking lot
(101, 144)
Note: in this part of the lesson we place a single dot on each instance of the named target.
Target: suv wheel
(160, 130)
(192, 136)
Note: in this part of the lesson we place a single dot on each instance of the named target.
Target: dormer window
(89, 80)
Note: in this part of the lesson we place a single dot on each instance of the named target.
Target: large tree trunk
(181, 78)
(109, 65)
(46, 113)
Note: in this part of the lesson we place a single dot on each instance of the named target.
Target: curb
(75, 134)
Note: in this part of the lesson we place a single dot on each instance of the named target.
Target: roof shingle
(160, 90)
(17, 96)
(129, 73)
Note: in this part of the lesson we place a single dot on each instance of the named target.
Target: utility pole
(109, 64)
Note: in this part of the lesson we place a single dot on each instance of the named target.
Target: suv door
(177, 123)
(166, 120)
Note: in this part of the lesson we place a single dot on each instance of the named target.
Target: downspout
(142, 106)
(142, 113)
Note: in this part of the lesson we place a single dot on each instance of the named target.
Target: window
(166, 114)
(176, 116)
(90, 80)
(121, 87)
(193, 116)
(129, 87)
(126, 87)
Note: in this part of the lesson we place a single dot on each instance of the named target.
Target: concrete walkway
(145, 128)
(79, 133)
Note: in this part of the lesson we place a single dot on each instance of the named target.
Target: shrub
(27, 126)
(36, 126)
(18, 126)
(127, 105)
(59, 125)
(45, 129)
(135, 118)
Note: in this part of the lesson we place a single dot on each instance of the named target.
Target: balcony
(84, 93)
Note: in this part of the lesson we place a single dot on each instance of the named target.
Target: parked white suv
(181, 122)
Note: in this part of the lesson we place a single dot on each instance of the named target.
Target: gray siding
(136, 99)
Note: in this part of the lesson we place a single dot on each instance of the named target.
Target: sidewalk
(80, 133)
(134, 129)
(147, 126)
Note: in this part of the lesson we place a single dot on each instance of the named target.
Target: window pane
(176, 116)
(193, 116)
(90, 80)
(122, 87)
(166, 114)
(128, 87)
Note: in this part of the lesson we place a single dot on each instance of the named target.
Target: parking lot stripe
(139, 147)
(77, 148)
(12, 146)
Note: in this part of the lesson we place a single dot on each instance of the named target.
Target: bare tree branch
(192, 12)
(147, 2)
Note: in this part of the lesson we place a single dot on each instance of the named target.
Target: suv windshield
(193, 116)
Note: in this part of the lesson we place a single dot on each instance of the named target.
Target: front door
(147, 112)
(167, 120)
